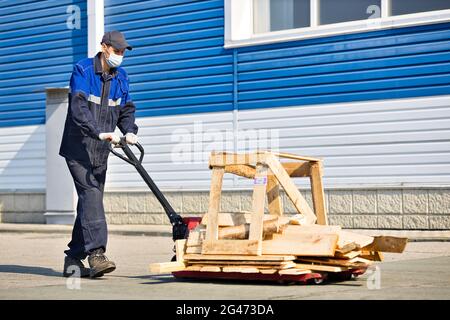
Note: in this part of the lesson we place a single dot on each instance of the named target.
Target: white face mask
(114, 60)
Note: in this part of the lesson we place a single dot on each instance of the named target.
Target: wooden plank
(306, 244)
(297, 219)
(228, 219)
(234, 232)
(194, 244)
(241, 269)
(271, 264)
(197, 249)
(294, 169)
(348, 247)
(242, 170)
(349, 255)
(372, 255)
(193, 268)
(296, 229)
(239, 258)
(291, 189)
(387, 244)
(225, 158)
(297, 169)
(287, 265)
(294, 271)
(316, 267)
(318, 194)
(294, 156)
(346, 237)
(212, 228)
(298, 236)
(165, 267)
(268, 271)
(237, 247)
(210, 269)
(328, 261)
(243, 231)
(195, 238)
(258, 201)
(180, 248)
(360, 260)
(259, 267)
(273, 195)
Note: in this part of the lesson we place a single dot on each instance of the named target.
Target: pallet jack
(182, 226)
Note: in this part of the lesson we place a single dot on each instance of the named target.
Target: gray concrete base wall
(420, 209)
(22, 207)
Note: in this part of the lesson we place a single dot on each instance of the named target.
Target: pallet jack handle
(179, 227)
(121, 145)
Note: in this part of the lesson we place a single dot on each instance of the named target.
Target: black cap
(116, 39)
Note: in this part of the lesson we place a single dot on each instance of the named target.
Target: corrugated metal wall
(310, 91)
(178, 64)
(177, 150)
(37, 50)
(389, 64)
(385, 143)
(22, 158)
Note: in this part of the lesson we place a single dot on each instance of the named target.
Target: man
(99, 100)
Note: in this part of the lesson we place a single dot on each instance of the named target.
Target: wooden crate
(269, 176)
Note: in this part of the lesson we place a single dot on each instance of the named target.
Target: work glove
(131, 138)
(109, 136)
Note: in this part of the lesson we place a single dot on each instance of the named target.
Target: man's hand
(131, 138)
(109, 136)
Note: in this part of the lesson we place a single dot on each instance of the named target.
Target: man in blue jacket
(99, 100)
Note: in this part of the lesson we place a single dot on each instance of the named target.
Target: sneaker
(71, 267)
(100, 264)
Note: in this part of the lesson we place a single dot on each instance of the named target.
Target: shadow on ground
(41, 271)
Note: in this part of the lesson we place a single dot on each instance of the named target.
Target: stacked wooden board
(256, 243)
(287, 249)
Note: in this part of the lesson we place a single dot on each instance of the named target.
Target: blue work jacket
(98, 102)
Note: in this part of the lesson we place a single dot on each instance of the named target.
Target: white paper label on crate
(260, 181)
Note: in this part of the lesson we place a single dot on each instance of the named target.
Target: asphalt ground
(31, 266)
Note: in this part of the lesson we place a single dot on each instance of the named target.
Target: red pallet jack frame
(309, 278)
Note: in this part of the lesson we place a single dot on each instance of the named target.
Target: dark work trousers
(90, 230)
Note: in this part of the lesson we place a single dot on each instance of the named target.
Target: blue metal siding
(396, 63)
(37, 50)
(178, 64)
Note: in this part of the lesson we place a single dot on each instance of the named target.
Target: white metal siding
(22, 158)
(388, 142)
(381, 143)
(157, 136)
